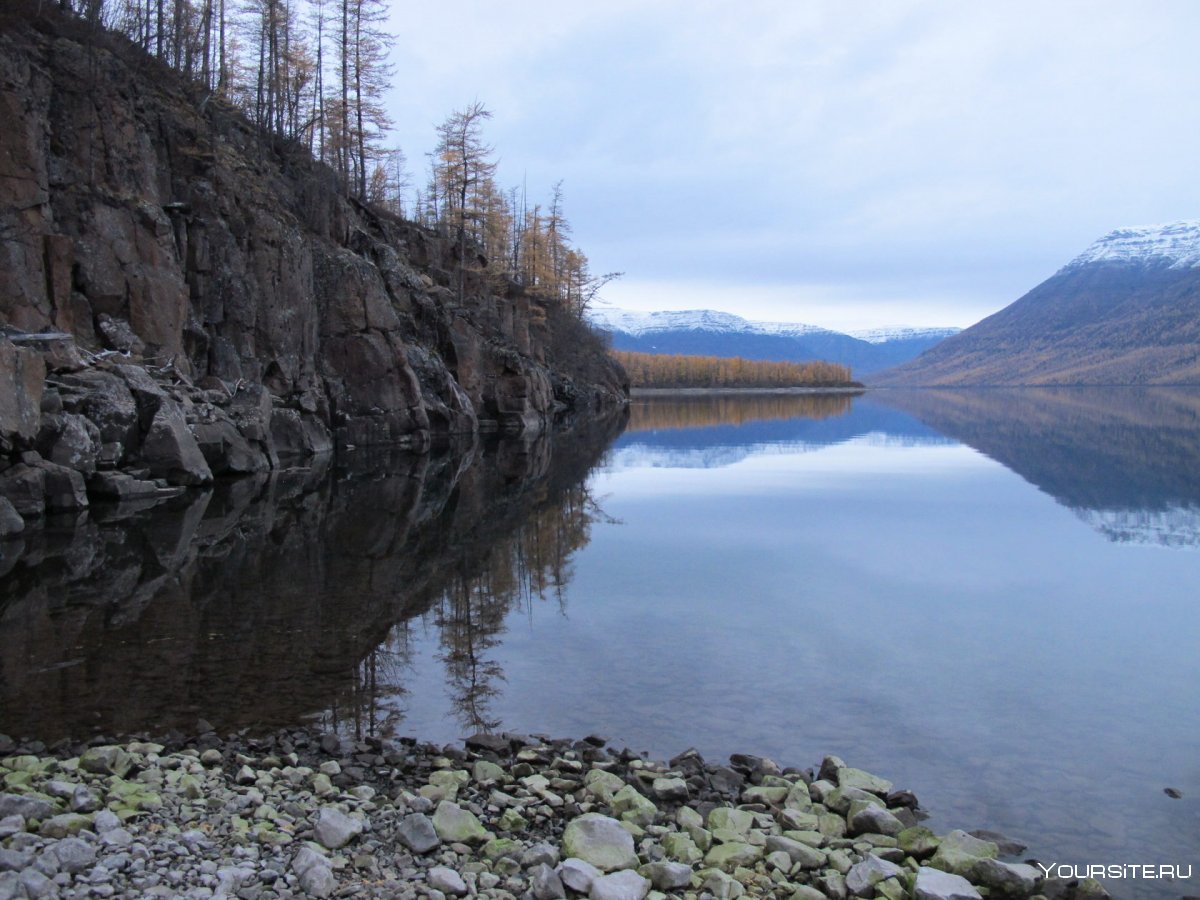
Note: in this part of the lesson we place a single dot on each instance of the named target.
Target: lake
(988, 597)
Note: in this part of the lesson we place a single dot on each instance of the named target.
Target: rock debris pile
(301, 814)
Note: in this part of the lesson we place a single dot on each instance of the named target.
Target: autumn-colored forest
(652, 370)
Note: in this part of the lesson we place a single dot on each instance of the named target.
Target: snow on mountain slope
(1177, 244)
(643, 323)
(883, 335)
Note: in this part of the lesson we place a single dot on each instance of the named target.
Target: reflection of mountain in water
(712, 430)
(270, 599)
(1125, 460)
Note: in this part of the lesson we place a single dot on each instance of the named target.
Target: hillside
(707, 332)
(1125, 311)
(221, 306)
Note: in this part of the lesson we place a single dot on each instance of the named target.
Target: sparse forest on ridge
(314, 73)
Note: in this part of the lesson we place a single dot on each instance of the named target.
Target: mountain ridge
(711, 332)
(1126, 311)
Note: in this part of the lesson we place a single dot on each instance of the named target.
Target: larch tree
(463, 173)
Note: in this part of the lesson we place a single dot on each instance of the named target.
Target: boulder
(108, 402)
(1007, 879)
(730, 819)
(417, 833)
(121, 486)
(847, 777)
(25, 488)
(314, 872)
(668, 876)
(170, 449)
(11, 522)
(600, 841)
(64, 488)
(867, 818)
(70, 440)
(673, 790)
(73, 855)
(958, 853)
(624, 885)
(797, 851)
(334, 829)
(148, 395)
(934, 884)
(298, 436)
(226, 449)
(728, 857)
(106, 760)
(22, 378)
(578, 874)
(458, 826)
(447, 881)
(545, 883)
(631, 806)
(26, 807)
(863, 876)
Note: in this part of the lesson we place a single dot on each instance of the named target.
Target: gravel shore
(305, 814)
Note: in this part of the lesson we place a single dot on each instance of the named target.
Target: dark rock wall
(273, 317)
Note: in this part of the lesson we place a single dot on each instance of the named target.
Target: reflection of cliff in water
(712, 430)
(1125, 460)
(273, 598)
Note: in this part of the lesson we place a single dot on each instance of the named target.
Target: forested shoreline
(653, 370)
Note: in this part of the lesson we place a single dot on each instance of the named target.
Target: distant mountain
(1125, 311)
(708, 332)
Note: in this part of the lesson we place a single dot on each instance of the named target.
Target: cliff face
(215, 287)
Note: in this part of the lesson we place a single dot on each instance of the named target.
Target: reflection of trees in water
(531, 565)
(379, 677)
(699, 410)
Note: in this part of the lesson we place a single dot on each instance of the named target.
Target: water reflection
(1126, 461)
(709, 431)
(273, 598)
(654, 411)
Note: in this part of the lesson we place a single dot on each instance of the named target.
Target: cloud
(969, 145)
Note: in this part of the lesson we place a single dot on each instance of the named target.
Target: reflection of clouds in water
(1175, 528)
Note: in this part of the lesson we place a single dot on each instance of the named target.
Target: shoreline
(634, 393)
(301, 813)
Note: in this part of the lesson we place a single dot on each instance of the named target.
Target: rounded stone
(601, 841)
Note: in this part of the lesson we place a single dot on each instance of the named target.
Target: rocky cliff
(182, 299)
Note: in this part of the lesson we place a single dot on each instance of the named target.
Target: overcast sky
(840, 162)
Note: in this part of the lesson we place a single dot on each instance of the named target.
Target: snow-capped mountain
(1125, 311)
(710, 332)
(1176, 246)
(641, 323)
(886, 335)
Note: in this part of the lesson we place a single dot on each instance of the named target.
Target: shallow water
(988, 597)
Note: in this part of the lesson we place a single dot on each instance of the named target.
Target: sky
(844, 164)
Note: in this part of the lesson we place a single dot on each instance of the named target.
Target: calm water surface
(990, 598)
